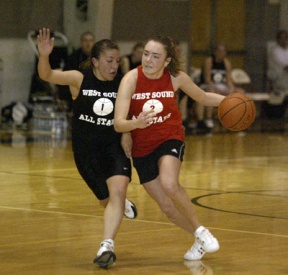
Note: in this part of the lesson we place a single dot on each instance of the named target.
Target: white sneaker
(105, 255)
(209, 123)
(205, 242)
(130, 210)
(195, 253)
(206, 239)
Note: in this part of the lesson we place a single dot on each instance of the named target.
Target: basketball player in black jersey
(97, 149)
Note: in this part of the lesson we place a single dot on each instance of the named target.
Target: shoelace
(198, 248)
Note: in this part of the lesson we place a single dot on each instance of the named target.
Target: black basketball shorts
(96, 167)
(147, 166)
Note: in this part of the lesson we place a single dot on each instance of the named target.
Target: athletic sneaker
(206, 239)
(205, 242)
(130, 210)
(195, 253)
(105, 255)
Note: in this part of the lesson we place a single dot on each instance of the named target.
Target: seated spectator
(278, 68)
(185, 103)
(216, 78)
(81, 54)
(132, 60)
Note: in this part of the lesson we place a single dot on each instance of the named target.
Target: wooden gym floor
(50, 223)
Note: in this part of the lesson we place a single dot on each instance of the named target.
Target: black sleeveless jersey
(218, 72)
(93, 114)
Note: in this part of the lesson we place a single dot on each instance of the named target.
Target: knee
(104, 202)
(117, 186)
(170, 188)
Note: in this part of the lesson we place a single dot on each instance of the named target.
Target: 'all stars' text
(100, 121)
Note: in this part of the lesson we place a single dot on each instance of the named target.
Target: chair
(241, 78)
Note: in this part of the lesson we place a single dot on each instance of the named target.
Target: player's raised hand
(45, 44)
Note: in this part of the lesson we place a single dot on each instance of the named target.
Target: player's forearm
(124, 125)
(44, 68)
(212, 99)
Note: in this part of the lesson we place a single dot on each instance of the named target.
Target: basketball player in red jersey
(146, 106)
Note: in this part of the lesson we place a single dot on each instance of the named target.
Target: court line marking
(138, 220)
(196, 200)
(35, 171)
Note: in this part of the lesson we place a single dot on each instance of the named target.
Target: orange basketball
(237, 112)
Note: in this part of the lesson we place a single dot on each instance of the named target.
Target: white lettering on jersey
(149, 95)
(105, 121)
(139, 96)
(162, 94)
(153, 103)
(97, 93)
(91, 93)
(112, 94)
(87, 118)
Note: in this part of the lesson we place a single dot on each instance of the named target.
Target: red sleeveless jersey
(159, 95)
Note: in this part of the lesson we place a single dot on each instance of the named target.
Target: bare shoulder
(128, 82)
(180, 79)
(131, 76)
